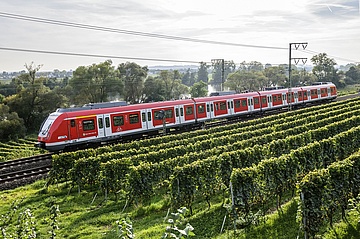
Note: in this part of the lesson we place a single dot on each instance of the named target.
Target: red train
(103, 122)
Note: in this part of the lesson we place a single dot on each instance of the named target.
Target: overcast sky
(330, 26)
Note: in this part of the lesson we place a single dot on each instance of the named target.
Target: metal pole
(297, 45)
(289, 74)
(222, 74)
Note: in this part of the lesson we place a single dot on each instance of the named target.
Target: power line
(99, 56)
(128, 32)
(336, 57)
(136, 33)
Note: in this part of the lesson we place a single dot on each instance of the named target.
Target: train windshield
(45, 127)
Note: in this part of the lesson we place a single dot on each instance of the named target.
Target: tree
(11, 126)
(154, 90)
(302, 77)
(188, 78)
(241, 80)
(324, 68)
(275, 76)
(95, 83)
(199, 89)
(170, 79)
(353, 75)
(34, 101)
(133, 76)
(251, 66)
(203, 73)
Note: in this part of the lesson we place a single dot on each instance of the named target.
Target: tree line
(28, 99)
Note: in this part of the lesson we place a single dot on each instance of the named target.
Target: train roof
(225, 97)
(91, 106)
(128, 108)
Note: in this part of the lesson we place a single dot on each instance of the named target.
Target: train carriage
(109, 121)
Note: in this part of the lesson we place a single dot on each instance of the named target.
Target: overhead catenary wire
(335, 57)
(136, 33)
(129, 32)
(95, 55)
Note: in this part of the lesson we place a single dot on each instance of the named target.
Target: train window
(232, 104)
(149, 116)
(318, 92)
(256, 101)
(118, 120)
(228, 104)
(100, 122)
(296, 95)
(212, 107)
(207, 108)
(143, 116)
(177, 112)
(107, 122)
(88, 125)
(134, 118)
(269, 99)
(189, 110)
(237, 103)
(243, 103)
(201, 109)
(72, 123)
(263, 100)
(222, 106)
(284, 97)
(168, 114)
(181, 111)
(300, 94)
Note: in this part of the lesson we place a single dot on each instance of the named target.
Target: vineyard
(311, 153)
(18, 149)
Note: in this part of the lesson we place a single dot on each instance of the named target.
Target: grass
(84, 216)
(349, 89)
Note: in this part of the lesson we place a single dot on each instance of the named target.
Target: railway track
(23, 171)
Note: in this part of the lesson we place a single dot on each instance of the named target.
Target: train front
(45, 139)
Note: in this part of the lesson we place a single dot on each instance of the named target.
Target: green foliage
(325, 191)
(133, 77)
(125, 228)
(175, 220)
(11, 126)
(95, 83)
(199, 89)
(33, 101)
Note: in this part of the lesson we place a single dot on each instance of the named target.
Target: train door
(250, 104)
(230, 105)
(149, 119)
(100, 125)
(143, 119)
(107, 125)
(73, 130)
(269, 101)
(209, 110)
(178, 118)
(285, 99)
(296, 97)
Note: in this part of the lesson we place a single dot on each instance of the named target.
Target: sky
(86, 32)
